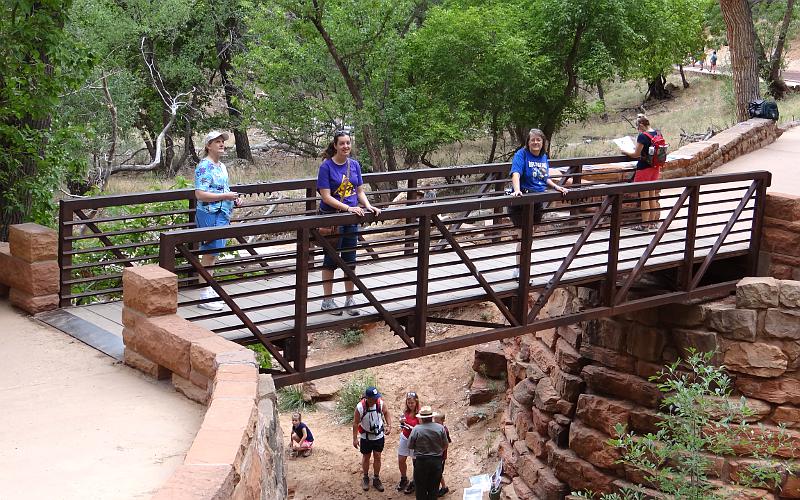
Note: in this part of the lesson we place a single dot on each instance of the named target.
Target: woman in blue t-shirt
(530, 173)
(340, 185)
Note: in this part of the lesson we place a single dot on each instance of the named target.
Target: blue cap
(372, 392)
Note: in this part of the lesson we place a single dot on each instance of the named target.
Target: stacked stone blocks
(29, 272)
(780, 244)
(569, 392)
(237, 452)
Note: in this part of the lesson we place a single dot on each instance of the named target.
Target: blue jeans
(206, 219)
(348, 239)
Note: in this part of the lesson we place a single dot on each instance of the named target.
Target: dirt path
(333, 471)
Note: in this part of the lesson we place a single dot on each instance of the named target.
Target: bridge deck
(450, 281)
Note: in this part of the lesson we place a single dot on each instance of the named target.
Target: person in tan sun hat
(429, 442)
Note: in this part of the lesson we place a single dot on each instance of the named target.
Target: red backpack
(656, 155)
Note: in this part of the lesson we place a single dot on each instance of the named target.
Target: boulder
(782, 323)
(483, 389)
(759, 359)
(490, 360)
(757, 293)
(790, 293)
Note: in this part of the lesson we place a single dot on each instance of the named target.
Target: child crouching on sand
(302, 439)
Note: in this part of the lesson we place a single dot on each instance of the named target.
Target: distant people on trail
(371, 422)
(443, 489)
(646, 171)
(408, 420)
(714, 61)
(340, 185)
(302, 438)
(428, 440)
(530, 173)
(215, 202)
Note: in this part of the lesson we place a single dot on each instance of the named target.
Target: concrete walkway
(780, 158)
(76, 424)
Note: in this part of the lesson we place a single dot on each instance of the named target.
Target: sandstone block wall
(238, 451)
(29, 272)
(572, 385)
(780, 243)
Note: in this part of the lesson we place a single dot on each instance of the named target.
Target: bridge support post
(419, 322)
(521, 305)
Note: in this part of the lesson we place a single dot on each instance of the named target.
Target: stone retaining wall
(571, 386)
(780, 243)
(29, 272)
(238, 451)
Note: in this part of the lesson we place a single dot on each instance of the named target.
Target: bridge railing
(418, 260)
(100, 236)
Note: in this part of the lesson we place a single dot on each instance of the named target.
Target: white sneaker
(515, 274)
(210, 293)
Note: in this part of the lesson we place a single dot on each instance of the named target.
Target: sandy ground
(76, 424)
(333, 471)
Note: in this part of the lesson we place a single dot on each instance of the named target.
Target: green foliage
(351, 394)
(292, 399)
(352, 336)
(263, 357)
(699, 418)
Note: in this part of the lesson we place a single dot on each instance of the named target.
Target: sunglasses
(411, 394)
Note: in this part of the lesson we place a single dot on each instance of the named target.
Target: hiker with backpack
(371, 422)
(651, 154)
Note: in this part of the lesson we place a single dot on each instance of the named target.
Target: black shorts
(515, 213)
(367, 446)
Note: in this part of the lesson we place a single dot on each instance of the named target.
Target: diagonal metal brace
(234, 307)
(573, 252)
(351, 275)
(474, 270)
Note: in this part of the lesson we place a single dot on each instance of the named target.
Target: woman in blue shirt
(215, 202)
(530, 173)
(340, 185)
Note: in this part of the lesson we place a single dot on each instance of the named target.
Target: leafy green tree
(40, 62)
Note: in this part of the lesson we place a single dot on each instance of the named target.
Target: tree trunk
(601, 94)
(777, 87)
(232, 92)
(683, 77)
(656, 89)
(744, 63)
(495, 133)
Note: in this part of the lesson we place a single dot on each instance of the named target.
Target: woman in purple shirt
(340, 185)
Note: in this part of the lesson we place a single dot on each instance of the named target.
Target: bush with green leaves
(699, 419)
(352, 336)
(263, 356)
(351, 394)
(292, 399)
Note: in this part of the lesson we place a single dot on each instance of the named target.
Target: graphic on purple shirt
(343, 187)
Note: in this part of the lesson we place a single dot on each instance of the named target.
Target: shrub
(263, 357)
(350, 395)
(291, 398)
(698, 419)
(352, 336)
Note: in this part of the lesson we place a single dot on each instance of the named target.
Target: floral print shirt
(213, 178)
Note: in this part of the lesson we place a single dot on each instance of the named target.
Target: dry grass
(707, 103)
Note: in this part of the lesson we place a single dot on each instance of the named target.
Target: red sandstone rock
(780, 390)
(32, 279)
(757, 293)
(165, 340)
(203, 353)
(231, 414)
(732, 323)
(759, 359)
(250, 485)
(602, 380)
(540, 420)
(571, 334)
(787, 415)
(790, 294)
(32, 242)
(151, 290)
(546, 398)
(217, 447)
(548, 337)
(567, 358)
(783, 206)
(548, 487)
(700, 340)
(198, 482)
(543, 357)
(521, 489)
(686, 315)
(144, 365)
(189, 389)
(33, 304)
(593, 446)
(536, 444)
(610, 358)
(568, 386)
(791, 486)
(482, 389)
(558, 430)
(576, 472)
(644, 420)
(523, 422)
(603, 413)
(777, 240)
(782, 323)
(509, 456)
(605, 332)
(490, 360)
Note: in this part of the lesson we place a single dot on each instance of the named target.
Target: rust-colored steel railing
(100, 236)
(707, 231)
